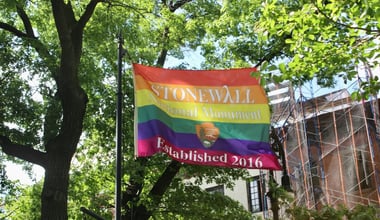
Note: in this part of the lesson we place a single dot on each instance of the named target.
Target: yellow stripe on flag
(237, 113)
(211, 94)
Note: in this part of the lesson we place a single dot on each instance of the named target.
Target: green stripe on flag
(254, 132)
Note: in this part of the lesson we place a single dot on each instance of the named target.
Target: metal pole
(91, 213)
(118, 131)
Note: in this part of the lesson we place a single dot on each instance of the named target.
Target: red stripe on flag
(209, 157)
(230, 77)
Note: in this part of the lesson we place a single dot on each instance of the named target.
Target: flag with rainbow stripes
(204, 117)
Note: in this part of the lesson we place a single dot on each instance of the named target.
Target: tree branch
(177, 4)
(164, 51)
(10, 212)
(63, 17)
(26, 21)
(135, 183)
(88, 13)
(28, 35)
(158, 190)
(342, 24)
(27, 25)
(140, 11)
(22, 151)
(165, 179)
(13, 30)
(275, 51)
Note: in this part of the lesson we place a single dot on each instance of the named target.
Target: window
(254, 195)
(364, 168)
(216, 189)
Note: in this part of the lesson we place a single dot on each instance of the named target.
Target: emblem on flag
(207, 133)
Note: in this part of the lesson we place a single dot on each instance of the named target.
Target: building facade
(332, 147)
(250, 193)
(332, 152)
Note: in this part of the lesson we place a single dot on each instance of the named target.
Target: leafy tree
(340, 212)
(198, 204)
(58, 82)
(61, 114)
(58, 65)
(8, 191)
(23, 202)
(297, 40)
(323, 39)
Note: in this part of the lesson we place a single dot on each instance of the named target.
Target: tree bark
(61, 148)
(55, 188)
(141, 212)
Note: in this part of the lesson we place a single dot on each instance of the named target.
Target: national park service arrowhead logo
(207, 133)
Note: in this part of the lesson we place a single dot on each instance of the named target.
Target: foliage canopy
(57, 74)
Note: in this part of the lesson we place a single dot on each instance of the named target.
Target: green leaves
(191, 202)
(324, 39)
(22, 202)
(292, 40)
(340, 212)
(368, 89)
(282, 68)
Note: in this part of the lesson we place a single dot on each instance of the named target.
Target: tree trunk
(275, 209)
(54, 193)
(61, 149)
(141, 212)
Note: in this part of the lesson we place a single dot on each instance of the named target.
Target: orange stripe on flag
(231, 77)
(202, 94)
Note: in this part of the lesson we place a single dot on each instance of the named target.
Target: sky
(15, 172)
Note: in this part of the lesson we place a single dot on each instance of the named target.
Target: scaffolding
(331, 144)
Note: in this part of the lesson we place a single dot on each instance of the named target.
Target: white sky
(15, 172)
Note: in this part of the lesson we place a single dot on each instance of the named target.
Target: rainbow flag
(205, 117)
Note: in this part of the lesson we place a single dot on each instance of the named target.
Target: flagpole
(118, 131)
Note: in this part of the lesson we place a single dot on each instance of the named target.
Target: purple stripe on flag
(208, 157)
(153, 129)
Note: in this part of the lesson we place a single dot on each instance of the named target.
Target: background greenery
(57, 52)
